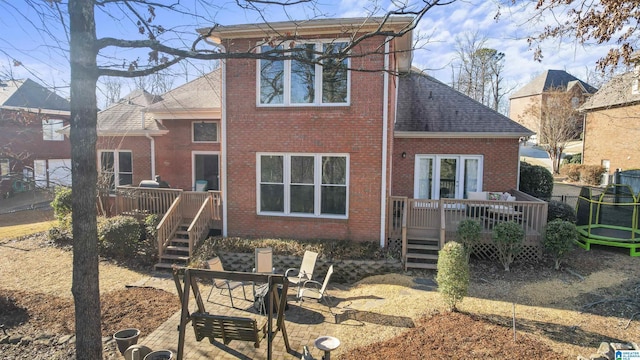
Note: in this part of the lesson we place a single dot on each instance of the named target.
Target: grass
(25, 223)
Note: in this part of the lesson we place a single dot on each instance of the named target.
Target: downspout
(385, 133)
(152, 146)
(223, 135)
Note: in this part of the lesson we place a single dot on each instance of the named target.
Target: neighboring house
(32, 150)
(612, 123)
(534, 93)
(447, 144)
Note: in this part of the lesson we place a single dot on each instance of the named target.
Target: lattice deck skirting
(529, 253)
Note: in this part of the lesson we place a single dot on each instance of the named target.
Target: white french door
(447, 176)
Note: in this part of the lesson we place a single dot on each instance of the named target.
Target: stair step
(422, 256)
(180, 241)
(162, 265)
(178, 248)
(182, 232)
(411, 265)
(423, 247)
(174, 257)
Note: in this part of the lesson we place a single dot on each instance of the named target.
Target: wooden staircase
(177, 251)
(422, 249)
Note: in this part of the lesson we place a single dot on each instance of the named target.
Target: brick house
(612, 125)
(535, 92)
(312, 151)
(32, 150)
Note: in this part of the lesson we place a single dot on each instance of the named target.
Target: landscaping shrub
(536, 180)
(559, 236)
(453, 274)
(61, 203)
(591, 174)
(119, 236)
(560, 210)
(572, 159)
(508, 237)
(468, 234)
(148, 248)
(571, 171)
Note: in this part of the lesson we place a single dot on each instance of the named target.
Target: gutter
(385, 134)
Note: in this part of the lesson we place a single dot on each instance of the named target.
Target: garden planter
(125, 338)
(159, 355)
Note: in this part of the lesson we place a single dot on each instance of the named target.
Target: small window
(50, 130)
(575, 102)
(116, 169)
(4, 167)
(205, 131)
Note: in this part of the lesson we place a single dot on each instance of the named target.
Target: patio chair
(306, 269)
(264, 261)
(315, 290)
(216, 264)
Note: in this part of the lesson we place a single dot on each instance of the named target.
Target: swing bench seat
(227, 328)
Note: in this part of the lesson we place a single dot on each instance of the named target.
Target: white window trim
(286, 100)
(52, 129)
(116, 164)
(317, 183)
(5, 163)
(435, 185)
(193, 132)
(193, 165)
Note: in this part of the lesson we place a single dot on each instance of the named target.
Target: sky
(441, 26)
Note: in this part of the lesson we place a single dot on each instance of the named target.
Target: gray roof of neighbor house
(126, 117)
(427, 106)
(551, 79)
(203, 93)
(616, 92)
(28, 94)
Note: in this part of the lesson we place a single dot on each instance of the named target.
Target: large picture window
(303, 185)
(116, 168)
(50, 129)
(301, 81)
(447, 176)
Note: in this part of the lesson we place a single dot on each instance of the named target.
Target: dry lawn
(24, 223)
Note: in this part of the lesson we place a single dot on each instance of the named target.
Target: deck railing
(135, 200)
(199, 227)
(444, 215)
(168, 225)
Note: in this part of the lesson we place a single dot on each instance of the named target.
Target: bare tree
(111, 89)
(92, 57)
(479, 70)
(559, 122)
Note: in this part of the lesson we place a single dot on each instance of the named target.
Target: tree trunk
(85, 287)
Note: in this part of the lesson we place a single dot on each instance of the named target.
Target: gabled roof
(616, 92)
(201, 94)
(126, 117)
(28, 94)
(427, 107)
(549, 80)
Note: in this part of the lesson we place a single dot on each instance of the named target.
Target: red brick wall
(140, 153)
(355, 130)
(500, 171)
(173, 153)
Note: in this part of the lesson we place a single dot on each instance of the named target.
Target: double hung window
(116, 168)
(303, 185)
(305, 79)
(50, 129)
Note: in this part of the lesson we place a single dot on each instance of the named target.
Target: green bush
(591, 174)
(148, 248)
(61, 203)
(536, 180)
(119, 236)
(571, 171)
(453, 274)
(508, 237)
(559, 236)
(572, 159)
(560, 210)
(468, 234)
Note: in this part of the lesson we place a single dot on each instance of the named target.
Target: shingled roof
(203, 93)
(125, 117)
(28, 94)
(549, 80)
(428, 106)
(616, 92)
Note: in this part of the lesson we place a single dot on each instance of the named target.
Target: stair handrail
(169, 224)
(405, 208)
(200, 224)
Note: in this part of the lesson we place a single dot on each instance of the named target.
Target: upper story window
(303, 82)
(50, 129)
(205, 131)
(116, 168)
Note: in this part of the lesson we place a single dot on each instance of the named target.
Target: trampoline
(609, 219)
